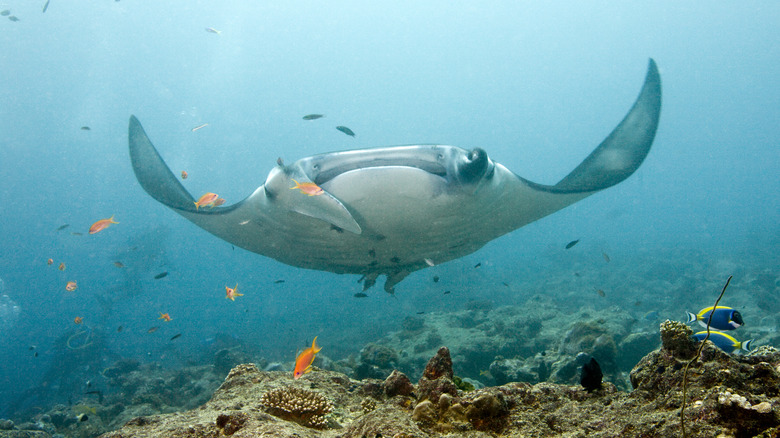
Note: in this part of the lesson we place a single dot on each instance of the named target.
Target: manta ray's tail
(152, 172)
(621, 153)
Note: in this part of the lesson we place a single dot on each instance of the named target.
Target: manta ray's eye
(475, 166)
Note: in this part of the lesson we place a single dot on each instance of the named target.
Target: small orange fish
(219, 201)
(184, 174)
(71, 286)
(304, 360)
(165, 316)
(61, 267)
(50, 262)
(78, 320)
(101, 225)
(206, 200)
(232, 293)
(309, 188)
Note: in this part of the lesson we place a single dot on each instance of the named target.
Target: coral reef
(305, 407)
(731, 396)
(495, 345)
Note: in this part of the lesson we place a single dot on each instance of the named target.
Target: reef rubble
(726, 396)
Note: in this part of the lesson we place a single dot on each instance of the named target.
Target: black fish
(435, 278)
(446, 292)
(360, 295)
(13, 18)
(572, 243)
(6, 13)
(591, 376)
(35, 354)
(86, 128)
(313, 116)
(346, 130)
(62, 227)
(161, 275)
(420, 313)
(176, 336)
(77, 233)
(46, 6)
(477, 265)
(119, 329)
(278, 281)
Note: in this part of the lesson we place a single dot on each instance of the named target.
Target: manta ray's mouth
(323, 168)
(433, 168)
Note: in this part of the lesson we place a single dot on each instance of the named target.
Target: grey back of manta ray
(394, 210)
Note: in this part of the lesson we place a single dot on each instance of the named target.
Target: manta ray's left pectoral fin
(325, 207)
(621, 153)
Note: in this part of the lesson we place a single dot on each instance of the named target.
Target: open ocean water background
(537, 85)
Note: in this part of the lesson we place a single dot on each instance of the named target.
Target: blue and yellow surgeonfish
(723, 341)
(723, 318)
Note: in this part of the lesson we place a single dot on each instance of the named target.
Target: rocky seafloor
(726, 396)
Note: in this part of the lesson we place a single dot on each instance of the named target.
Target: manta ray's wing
(614, 160)
(621, 153)
(260, 223)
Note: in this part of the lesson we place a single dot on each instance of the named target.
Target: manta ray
(394, 210)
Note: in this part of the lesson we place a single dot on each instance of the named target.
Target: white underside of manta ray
(394, 210)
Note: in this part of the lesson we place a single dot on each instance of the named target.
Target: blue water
(537, 85)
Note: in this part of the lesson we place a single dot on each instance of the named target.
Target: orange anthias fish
(78, 320)
(232, 293)
(206, 200)
(219, 201)
(165, 316)
(309, 188)
(304, 360)
(184, 174)
(61, 267)
(71, 286)
(101, 225)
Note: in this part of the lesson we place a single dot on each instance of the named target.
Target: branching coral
(307, 408)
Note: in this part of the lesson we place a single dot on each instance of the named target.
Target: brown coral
(231, 423)
(397, 384)
(439, 365)
(307, 408)
(676, 338)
